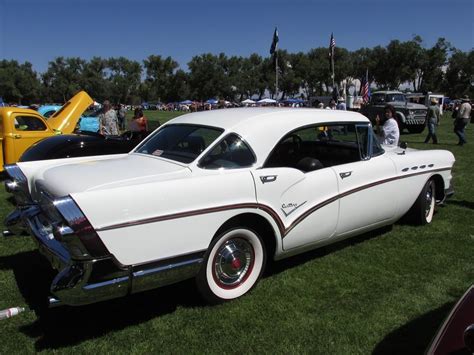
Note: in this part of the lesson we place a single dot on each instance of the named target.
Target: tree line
(441, 68)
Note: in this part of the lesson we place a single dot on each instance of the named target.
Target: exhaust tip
(54, 302)
(7, 233)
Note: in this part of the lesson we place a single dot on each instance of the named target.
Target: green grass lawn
(384, 292)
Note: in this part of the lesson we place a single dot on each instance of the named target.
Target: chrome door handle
(268, 178)
(17, 136)
(345, 174)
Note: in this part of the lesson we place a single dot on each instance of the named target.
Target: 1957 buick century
(213, 194)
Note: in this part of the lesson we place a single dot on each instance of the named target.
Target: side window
(29, 123)
(376, 147)
(317, 147)
(230, 153)
(363, 138)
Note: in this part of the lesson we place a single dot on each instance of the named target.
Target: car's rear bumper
(84, 281)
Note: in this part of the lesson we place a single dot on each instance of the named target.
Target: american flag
(365, 88)
(332, 45)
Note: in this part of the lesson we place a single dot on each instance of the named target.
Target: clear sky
(40, 30)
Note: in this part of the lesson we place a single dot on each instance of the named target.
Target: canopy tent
(212, 101)
(267, 101)
(248, 101)
(186, 102)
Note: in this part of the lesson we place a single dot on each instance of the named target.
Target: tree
(207, 76)
(18, 82)
(178, 89)
(430, 74)
(160, 73)
(93, 79)
(252, 77)
(124, 76)
(63, 78)
(459, 74)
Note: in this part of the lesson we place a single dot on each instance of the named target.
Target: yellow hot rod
(21, 128)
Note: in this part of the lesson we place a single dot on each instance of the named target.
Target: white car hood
(91, 175)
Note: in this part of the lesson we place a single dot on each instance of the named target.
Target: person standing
(432, 120)
(389, 133)
(462, 119)
(108, 122)
(332, 105)
(139, 122)
(121, 113)
(341, 105)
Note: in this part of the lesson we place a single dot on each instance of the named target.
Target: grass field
(385, 292)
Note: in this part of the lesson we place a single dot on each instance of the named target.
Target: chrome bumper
(449, 191)
(85, 281)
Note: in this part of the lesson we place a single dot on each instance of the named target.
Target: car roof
(237, 119)
(262, 127)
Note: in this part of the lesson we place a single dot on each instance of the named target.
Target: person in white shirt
(462, 119)
(332, 105)
(389, 133)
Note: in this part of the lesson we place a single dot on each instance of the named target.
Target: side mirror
(403, 145)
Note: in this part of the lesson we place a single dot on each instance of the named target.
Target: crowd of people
(112, 121)
(388, 130)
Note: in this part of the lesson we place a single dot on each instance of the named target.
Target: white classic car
(213, 194)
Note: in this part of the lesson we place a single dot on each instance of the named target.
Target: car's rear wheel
(424, 207)
(232, 265)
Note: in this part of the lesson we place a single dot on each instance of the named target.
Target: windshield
(381, 98)
(395, 97)
(182, 143)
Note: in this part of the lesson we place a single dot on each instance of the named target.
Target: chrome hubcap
(233, 262)
(429, 200)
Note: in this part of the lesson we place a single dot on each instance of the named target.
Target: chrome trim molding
(252, 205)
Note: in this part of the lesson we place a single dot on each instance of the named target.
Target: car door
(27, 129)
(367, 191)
(302, 201)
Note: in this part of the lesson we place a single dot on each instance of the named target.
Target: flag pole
(332, 45)
(276, 75)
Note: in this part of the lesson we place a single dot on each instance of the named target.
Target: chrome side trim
(165, 275)
(252, 205)
(72, 287)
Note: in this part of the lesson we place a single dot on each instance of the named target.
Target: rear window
(183, 143)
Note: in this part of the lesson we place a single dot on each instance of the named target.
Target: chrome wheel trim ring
(233, 262)
(429, 202)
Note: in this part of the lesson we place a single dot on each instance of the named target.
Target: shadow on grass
(415, 336)
(277, 267)
(463, 203)
(65, 326)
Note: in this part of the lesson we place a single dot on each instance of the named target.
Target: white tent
(267, 101)
(248, 101)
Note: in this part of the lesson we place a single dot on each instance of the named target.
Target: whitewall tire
(232, 265)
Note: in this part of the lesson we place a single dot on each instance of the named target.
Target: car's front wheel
(232, 265)
(424, 207)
